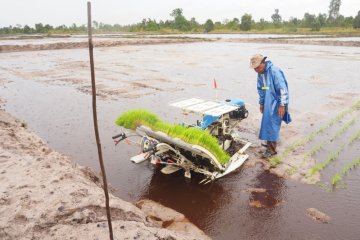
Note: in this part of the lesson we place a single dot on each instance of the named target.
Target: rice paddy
(276, 160)
(338, 133)
(332, 156)
(343, 128)
(134, 118)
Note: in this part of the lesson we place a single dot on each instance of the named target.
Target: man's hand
(261, 108)
(281, 111)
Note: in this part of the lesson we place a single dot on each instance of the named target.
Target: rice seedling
(313, 151)
(333, 155)
(336, 178)
(344, 127)
(274, 161)
(354, 137)
(345, 170)
(337, 134)
(134, 118)
(324, 164)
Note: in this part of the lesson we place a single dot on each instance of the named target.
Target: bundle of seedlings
(192, 135)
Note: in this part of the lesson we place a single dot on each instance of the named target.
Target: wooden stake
(95, 120)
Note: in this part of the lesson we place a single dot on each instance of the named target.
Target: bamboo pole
(93, 87)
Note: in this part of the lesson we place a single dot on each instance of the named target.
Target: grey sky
(127, 12)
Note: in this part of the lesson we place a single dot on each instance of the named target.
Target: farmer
(273, 99)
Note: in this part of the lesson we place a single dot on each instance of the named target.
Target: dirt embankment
(44, 195)
(84, 44)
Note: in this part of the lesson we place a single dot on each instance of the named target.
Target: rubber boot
(271, 147)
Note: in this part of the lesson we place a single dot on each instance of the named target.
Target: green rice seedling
(354, 137)
(350, 166)
(313, 151)
(337, 134)
(345, 170)
(324, 164)
(344, 128)
(336, 178)
(277, 159)
(314, 170)
(333, 155)
(134, 118)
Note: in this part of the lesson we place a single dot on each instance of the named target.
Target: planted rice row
(274, 161)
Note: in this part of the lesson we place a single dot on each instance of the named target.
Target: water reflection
(265, 206)
(199, 203)
(272, 196)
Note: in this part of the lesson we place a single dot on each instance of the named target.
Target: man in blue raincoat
(273, 99)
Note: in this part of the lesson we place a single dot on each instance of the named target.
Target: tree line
(179, 23)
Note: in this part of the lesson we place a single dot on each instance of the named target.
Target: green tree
(246, 20)
(233, 24)
(313, 22)
(261, 24)
(218, 25)
(61, 28)
(356, 23)
(177, 12)
(151, 25)
(349, 21)
(48, 28)
(334, 9)
(194, 24)
(180, 21)
(292, 24)
(208, 26)
(39, 28)
(27, 29)
(309, 20)
(316, 26)
(322, 19)
(276, 16)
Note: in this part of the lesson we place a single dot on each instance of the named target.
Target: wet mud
(50, 91)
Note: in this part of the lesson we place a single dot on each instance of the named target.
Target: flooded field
(50, 91)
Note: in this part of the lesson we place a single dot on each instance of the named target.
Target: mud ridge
(73, 45)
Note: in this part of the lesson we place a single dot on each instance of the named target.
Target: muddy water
(49, 91)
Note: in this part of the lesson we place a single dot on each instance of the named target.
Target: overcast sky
(66, 12)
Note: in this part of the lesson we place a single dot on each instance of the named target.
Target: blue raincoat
(273, 91)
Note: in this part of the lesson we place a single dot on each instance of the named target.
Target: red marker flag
(215, 86)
